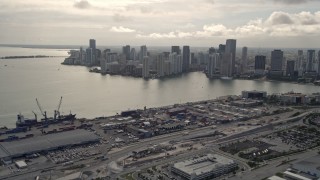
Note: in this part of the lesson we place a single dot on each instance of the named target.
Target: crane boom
(42, 112)
(59, 105)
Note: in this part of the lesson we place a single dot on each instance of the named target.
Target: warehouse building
(209, 166)
(13, 149)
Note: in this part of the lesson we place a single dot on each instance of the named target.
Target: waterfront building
(126, 51)
(145, 68)
(167, 68)
(212, 64)
(254, 94)
(244, 57)
(231, 47)
(299, 63)
(259, 65)
(311, 57)
(226, 65)
(175, 63)
(133, 54)
(185, 58)
(89, 57)
(276, 63)
(204, 167)
(160, 65)
(92, 45)
(222, 48)
(143, 52)
(290, 68)
(175, 49)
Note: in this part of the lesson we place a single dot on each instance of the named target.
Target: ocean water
(92, 95)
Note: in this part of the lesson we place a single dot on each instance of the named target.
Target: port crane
(35, 115)
(57, 112)
(44, 113)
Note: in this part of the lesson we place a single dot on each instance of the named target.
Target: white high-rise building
(143, 52)
(145, 68)
(212, 64)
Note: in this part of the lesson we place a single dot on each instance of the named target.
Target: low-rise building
(205, 167)
(254, 94)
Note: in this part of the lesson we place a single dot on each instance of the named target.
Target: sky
(254, 23)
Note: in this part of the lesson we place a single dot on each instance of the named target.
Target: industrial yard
(152, 141)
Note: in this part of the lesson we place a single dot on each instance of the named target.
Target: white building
(145, 68)
(209, 166)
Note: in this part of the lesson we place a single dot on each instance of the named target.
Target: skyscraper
(160, 65)
(212, 64)
(244, 57)
(226, 65)
(231, 47)
(319, 63)
(299, 64)
(290, 68)
(276, 60)
(222, 48)
(92, 45)
(186, 58)
(145, 68)
(311, 57)
(175, 49)
(143, 52)
(126, 51)
(133, 54)
(259, 64)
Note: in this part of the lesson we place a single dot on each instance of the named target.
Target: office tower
(185, 58)
(244, 57)
(175, 49)
(226, 65)
(133, 54)
(143, 52)
(276, 60)
(212, 50)
(160, 65)
(173, 63)
(259, 64)
(311, 57)
(193, 59)
(222, 48)
(290, 68)
(299, 63)
(319, 63)
(126, 51)
(145, 67)
(212, 64)
(89, 57)
(92, 45)
(231, 47)
(167, 68)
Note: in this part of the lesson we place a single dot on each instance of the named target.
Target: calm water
(91, 95)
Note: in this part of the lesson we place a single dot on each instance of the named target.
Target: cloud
(277, 18)
(120, 18)
(121, 29)
(278, 24)
(82, 4)
(292, 1)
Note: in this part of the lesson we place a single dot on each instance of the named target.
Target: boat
(24, 122)
(226, 78)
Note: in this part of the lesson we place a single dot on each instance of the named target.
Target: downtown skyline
(262, 23)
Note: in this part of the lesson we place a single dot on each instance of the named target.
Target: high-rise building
(231, 47)
(222, 48)
(145, 68)
(212, 64)
(311, 57)
(160, 65)
(89, 57)
(276, 60)
(290, 68)
(259, 64)
(299, 63)
(126, 51)
(92, 45)
(186, 58)
(319, 63)
(226, 65)
(133, 54)
(244, 58)
(143, 52)
(175, 49)
(212, 50)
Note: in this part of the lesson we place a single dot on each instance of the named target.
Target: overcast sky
(254, 23)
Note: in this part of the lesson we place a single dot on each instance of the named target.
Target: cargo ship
(23, 122)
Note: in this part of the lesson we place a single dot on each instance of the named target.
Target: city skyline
(277, 23)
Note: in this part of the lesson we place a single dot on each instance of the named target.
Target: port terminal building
(19, 148)
(205, 167)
